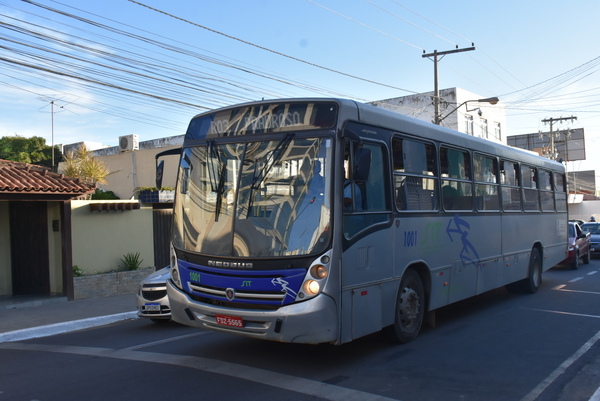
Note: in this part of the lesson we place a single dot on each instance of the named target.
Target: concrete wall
(585, 210)
(137, 168)
(101, 239)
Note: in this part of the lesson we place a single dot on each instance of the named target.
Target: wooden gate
(29, 248)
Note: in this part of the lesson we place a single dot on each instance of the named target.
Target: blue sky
(119, 67)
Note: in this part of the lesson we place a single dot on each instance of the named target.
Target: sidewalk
(30, 318)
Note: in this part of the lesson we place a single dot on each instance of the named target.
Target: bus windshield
(254, 199)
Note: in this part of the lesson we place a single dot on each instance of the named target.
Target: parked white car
(152, 300)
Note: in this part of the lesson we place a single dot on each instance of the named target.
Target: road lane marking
(562, 288)
(65, 327)
(575, 279)
(564, 313)
(268, 378)
(535, 393)
(164, 341)
(596, 396)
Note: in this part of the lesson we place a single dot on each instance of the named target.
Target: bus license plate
(152, 307)
(233, 321)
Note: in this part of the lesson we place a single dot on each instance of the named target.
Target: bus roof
(377, 116)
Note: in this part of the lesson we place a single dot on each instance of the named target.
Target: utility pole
(436, 90)
(52, 114)
(553, 154)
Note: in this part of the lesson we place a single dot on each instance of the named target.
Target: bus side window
(509, 179)
(485, 171)
(546, 194)
(364, 187)
(560, 193)
(457, 189)
(352, 195)
(415, 176)
(531, 199)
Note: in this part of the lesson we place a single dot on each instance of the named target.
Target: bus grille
(220, 293)
(233, 304)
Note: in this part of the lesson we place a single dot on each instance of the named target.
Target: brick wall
(107, 284)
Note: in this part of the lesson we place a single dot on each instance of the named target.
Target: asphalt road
(495, 347)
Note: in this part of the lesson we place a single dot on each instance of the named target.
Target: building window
(469, 125)
(484, 128)
(497, 131)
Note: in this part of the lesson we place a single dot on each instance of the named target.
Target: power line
(362, 24)
(178, 49)
(269, 50)
(405, 20)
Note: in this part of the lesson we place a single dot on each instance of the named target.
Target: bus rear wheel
(410, 309)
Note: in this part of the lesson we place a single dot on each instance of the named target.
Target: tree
(81, 164)
(28, 150)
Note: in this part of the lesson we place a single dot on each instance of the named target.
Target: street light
(490, 100)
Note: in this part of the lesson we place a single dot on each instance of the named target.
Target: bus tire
(532, 283)
(410, 309)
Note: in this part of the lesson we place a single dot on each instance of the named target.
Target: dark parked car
(578, 247)
(594, 230)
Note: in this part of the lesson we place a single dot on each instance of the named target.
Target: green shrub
(101, 194)
(131, 261)
(77, 271)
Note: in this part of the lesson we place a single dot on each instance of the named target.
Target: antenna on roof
(52, 101)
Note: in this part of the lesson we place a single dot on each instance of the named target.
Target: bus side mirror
(160, 169)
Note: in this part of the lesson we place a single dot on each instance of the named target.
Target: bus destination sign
(263, 119)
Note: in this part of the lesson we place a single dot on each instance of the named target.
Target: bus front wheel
(410, 308)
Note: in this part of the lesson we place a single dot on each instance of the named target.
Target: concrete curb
(65, 327)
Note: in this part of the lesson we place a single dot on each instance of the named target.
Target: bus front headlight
(175, 271)
(319, 272)
(311, 287)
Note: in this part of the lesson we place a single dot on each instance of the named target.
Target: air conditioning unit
(129, 142)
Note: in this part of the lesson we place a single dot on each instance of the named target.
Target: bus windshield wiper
(216, 175)
(271, 161)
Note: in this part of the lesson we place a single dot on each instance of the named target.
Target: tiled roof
(21, 178)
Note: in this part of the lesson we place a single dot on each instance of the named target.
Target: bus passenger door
(366, 260)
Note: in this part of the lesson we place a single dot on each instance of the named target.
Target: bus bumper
(311, 322)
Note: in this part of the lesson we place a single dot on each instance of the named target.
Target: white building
(459, 109)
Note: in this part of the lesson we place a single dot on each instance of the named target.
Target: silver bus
(325, 220)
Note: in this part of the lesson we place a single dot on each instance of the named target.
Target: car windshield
(255, 199)
(571, 230)
(592, 228)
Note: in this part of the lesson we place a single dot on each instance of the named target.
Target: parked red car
(578, 247)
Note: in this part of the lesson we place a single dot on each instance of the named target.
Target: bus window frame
(487, 184)
(435, 177)
(514, 188)
(466, 179)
